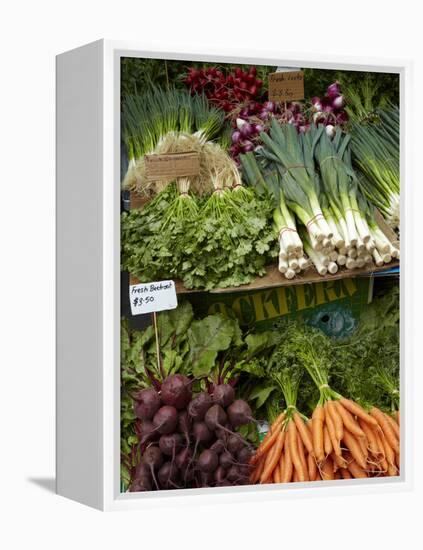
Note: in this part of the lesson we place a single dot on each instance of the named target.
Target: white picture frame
(88, 280)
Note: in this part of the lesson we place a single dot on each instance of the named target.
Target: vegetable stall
(227, 188)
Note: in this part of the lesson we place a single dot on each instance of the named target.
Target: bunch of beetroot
(224, 90)
(190, 441)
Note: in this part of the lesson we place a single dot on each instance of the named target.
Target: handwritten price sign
(151, 297)
(286, 86)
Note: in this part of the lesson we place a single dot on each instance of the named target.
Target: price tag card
(286, 86)
(150, 297)
(172, 165)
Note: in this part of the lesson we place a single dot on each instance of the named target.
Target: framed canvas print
(228, 276)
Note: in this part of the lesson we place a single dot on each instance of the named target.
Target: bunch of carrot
(349, 442)
(286, 453)
(340, 441)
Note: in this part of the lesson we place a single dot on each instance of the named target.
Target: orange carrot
(332, 434)
(312, 467)
(281, 465)
(394, 426)
(336, 418)
(386, 427)
(317, 426)
(355, 470)
(337, 475)
(362, 441)
(356, 410)
(304, 433)
(392, 471)
(371, 437)
(378, 436)
(271, 435)
(389, 451)
(355, 449)
(349, 422)
(327, 444)
(288, 466)
(256, 473)
(339, 460)
(397, 417)
(267, 460)
(266, 445)
(326, 470)
(293, 448)
(345, 473)
(295, 478)
(276, 475)
(275, 457)
(302, 456)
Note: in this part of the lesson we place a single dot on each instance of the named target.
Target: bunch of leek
(291, 251)
(375, 149)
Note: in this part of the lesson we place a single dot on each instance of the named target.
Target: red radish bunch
(190, 441)
(224, 90)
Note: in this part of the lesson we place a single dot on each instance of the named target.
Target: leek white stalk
(332, 268)
(341, 260)
(303, 263)
(315, 258)
(370, 246)
(293, 263)
(377, 258)
(283, 264)
(290, 273)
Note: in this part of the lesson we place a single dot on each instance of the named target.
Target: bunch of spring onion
(291, 250)
(375, 148)
(170, 121)
(357, 240)
(290, 155)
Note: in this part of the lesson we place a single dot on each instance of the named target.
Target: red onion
(317, 104)
(338, 102)
(269, 106)
(341, 118)
(248, 146)
(240, 123)
(330, 130)
(246, 130)
(333, 90)
(319, 118)
(259, 128)
(236, 136)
